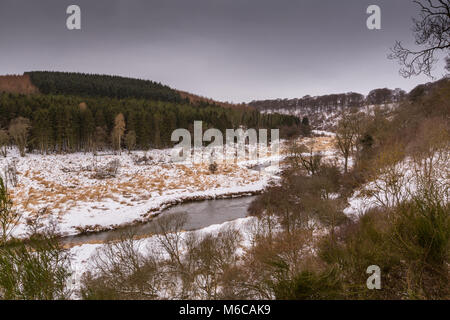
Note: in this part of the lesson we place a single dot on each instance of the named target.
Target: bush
(410, 243)
(309, 285)
(108, 171)
(212, 167)
(421, 236)
(123, 272)
(37, 269)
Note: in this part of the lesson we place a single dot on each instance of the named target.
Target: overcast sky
(230, 50)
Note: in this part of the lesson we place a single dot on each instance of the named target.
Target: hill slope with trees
(69, 112)
(93, 85)
(321, 110)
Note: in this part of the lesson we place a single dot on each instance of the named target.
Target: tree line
(60, 123)
(333, 102)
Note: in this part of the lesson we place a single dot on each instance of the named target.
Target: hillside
(68, 112)
(80, 84)
(196, 99)
(323, 110)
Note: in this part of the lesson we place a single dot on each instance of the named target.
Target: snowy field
(67, 189)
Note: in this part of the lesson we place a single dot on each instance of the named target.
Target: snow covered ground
(327, 118)
(67, 188)
(324, 133)
(400, 182)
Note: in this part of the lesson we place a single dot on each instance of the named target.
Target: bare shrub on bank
(180, 265)
(110, 170)
(10, 173)
(303, 157)
(9, 218)
(122, 271)
(348, 132)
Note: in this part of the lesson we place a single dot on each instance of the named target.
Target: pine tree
(87, 130)
(42, 130)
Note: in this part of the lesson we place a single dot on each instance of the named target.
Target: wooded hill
(93, 85)
(331, 102)
(79, 112)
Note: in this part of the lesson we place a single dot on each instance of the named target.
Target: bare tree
(389, 179)
(118, 131)
(302, 156)
(211, 257)
(346, 135)
(432, 34)
(169, 234)
(18, 129)
(10, 173)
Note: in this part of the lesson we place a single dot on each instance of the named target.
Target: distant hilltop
(330, 102)
(96, 85)
(323, 111)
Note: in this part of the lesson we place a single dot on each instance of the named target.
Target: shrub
(34, 269)
(213, 167)
(309, 285)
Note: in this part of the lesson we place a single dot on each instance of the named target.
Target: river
(200, 214)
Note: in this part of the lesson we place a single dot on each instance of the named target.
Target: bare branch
(432, 32)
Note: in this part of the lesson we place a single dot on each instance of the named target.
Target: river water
(200, 214)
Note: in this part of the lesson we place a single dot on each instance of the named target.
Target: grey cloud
(235, 50)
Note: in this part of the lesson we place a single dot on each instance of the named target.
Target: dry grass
(64, 195)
